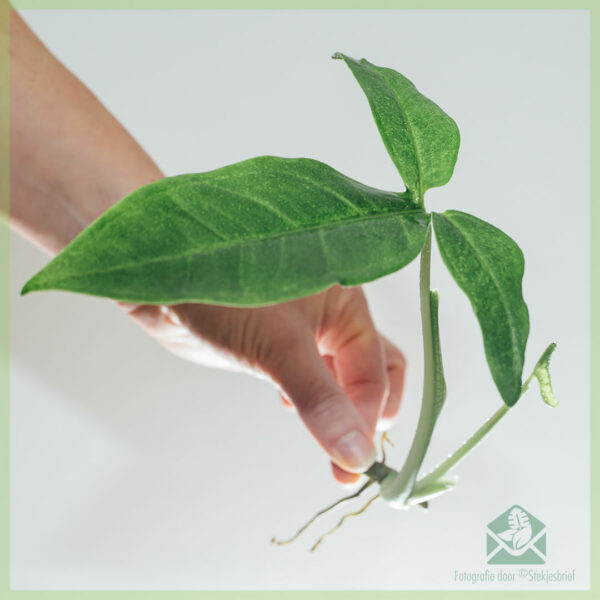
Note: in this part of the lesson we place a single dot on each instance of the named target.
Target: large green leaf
(420, 137)
(488, 266)
(257, 232)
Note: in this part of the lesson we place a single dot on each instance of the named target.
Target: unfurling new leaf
(541, 372)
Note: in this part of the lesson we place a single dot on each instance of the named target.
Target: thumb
(326, 411)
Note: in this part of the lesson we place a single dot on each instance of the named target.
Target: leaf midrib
(241, 242)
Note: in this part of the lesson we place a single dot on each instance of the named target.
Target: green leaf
(439, 382)
(420, 137)
(257, 232)
(488, 266)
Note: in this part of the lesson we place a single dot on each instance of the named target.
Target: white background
(133, 469)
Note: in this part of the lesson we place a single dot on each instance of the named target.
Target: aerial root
(322, 512)
(341, 521)
(385, 438)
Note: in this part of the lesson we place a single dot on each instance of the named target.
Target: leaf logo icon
(521, 537)
(519, 532)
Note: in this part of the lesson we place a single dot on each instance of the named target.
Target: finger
(359, 359)
(295, 364)
(344, 477)
(329, 363)
(396, 370)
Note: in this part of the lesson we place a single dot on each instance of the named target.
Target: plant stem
(434, 478)
(396, 488)
(463, 450)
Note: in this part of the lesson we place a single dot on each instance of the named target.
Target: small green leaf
(542, 373)
(488, 266)
(261, 231)
(439, 382)
(420, 137)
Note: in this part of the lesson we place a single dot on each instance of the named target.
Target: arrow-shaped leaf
(420, 137)
(257, 232)
(488, 266)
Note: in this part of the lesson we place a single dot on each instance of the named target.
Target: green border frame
(4, 288)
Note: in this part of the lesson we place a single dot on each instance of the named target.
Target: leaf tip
(337, 56)
(28, 287)
(33, 285)
(510, 401)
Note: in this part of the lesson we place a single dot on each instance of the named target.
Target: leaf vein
(195, 218)
(262, 203)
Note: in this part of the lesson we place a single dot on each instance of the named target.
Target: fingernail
(355, 452)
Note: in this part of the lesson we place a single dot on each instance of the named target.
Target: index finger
(359, 358)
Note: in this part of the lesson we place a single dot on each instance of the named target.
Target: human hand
(322, 352)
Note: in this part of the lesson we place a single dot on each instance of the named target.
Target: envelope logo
(516, 537)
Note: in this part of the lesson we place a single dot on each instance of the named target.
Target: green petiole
(397, 486)
(434, 476)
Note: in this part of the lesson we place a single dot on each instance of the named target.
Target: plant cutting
(272, 229)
